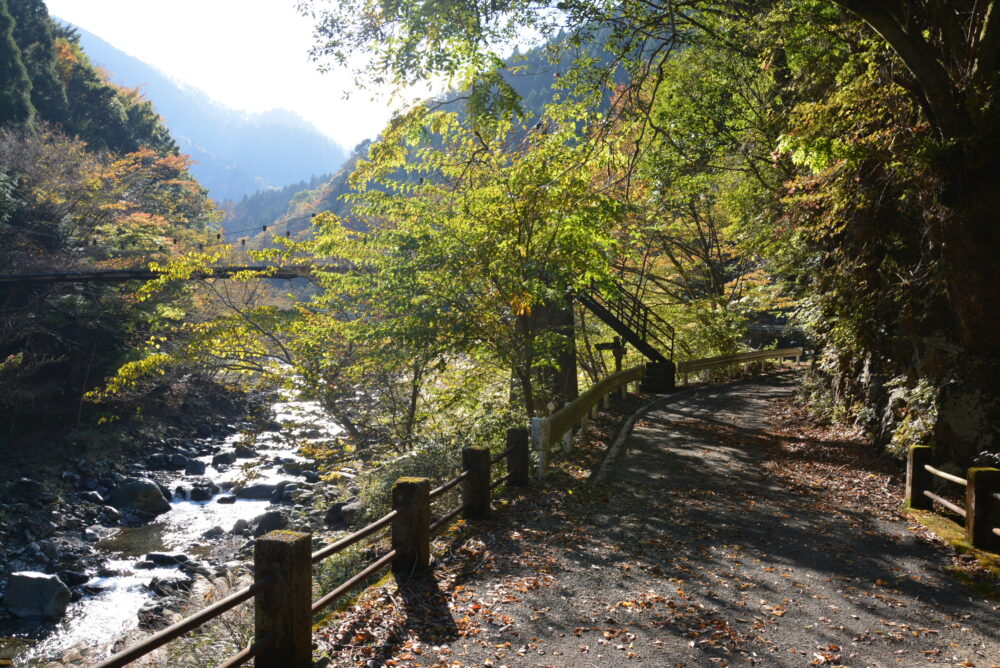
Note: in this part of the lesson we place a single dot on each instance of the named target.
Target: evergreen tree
(15, 86)
(33, 32)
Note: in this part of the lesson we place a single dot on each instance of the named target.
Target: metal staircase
(637, 324)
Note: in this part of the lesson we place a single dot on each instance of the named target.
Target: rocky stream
(105, 552)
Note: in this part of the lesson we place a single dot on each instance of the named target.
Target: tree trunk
(554, 328)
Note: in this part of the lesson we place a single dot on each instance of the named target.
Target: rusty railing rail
(981, 512)
(283, 609)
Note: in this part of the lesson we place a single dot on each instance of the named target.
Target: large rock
(39, 528)
(140, 495)
(349, 511)
(32, 594)
(243, 452)
(26, 489)
(224, 459)
(257, 491)
(169, 586)
(195, 467)
(164, 559)
(92, 497)
(202, 494)
(342, 515)
(272, 520)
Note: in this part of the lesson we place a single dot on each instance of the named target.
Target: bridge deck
(121, 275)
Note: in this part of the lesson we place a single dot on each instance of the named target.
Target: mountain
(236, 153)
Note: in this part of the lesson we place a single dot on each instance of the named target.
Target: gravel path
(691, 556)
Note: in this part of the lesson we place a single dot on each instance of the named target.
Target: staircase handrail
(637, 315)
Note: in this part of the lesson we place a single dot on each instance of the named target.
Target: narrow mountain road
(694, 554)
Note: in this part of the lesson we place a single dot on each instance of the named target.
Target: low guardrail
(691, 366)
(283, 561)
(982, 496)
(547, 431)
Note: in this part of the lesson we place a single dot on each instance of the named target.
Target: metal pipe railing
(448, 485)
(247, 653)
(496, 483)
(373, 567)
(958, 510)
(947, 476)
(443, 520)
(347, 541)
(173, 631)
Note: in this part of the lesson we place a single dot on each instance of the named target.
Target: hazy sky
(247, 54)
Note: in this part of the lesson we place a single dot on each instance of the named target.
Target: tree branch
(939, 96)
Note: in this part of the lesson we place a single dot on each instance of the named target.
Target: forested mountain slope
(89, 177)
(235, 154)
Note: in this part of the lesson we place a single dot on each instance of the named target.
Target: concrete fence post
(540, 430)
(411, 533)
(917, 477)
(518, 457)
(568, 440)
(982, 511)
(476, 486)
(283, 611)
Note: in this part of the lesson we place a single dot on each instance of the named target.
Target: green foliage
(35, 36)
(62, 205)
(15, 100)
(434, 460)
(473, 235)
(336, 570)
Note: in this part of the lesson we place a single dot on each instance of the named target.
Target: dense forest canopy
(736, 165)
(846, 149)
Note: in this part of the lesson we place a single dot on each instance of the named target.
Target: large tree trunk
(556, 384)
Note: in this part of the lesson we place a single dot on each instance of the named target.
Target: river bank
(131, 531)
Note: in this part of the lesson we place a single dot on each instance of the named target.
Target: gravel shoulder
(721, 538)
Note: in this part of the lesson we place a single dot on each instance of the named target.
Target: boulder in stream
(272, 520)
(169, 586)
(164, 559)
(73, 578)
(92, 496)
(140, 495)
(214, 532)
(31, 594)
(259, 490)
(244, 452)
(195, 467)
(224, 459)
(203, 492)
